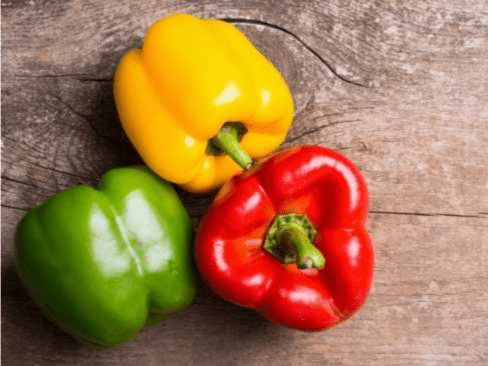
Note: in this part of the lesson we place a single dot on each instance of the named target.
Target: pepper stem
(227, 140)
(307, 255)
(290, 238)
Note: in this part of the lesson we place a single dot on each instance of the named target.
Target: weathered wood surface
(398, 86)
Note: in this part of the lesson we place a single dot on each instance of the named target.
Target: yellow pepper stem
(227, 141)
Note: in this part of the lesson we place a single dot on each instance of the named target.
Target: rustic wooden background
(401, 87)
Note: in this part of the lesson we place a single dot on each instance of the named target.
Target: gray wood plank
(399, 87)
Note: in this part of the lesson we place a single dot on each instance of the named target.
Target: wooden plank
(399, 87)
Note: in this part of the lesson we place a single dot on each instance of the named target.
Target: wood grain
(399, 87)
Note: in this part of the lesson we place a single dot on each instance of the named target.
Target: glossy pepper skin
(189, 78)
(104, 262)
(312, 182)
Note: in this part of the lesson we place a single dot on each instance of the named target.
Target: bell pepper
(288, 239)
(199, 101)
(104, 262)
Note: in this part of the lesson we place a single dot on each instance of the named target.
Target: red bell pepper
(287, 238)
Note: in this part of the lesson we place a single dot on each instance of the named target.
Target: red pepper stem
(227, 140)
(289, 239)
(307, 255)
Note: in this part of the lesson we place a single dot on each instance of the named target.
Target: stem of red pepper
(307, 255)
(289, 239)
(227, 140)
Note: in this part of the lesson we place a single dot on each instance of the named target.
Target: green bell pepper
(104, 262)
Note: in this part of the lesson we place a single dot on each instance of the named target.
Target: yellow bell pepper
(199, 101)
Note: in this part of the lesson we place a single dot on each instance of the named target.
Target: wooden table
(400, 87)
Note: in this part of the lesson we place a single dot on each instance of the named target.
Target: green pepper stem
(307, 255)
(227, 140)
